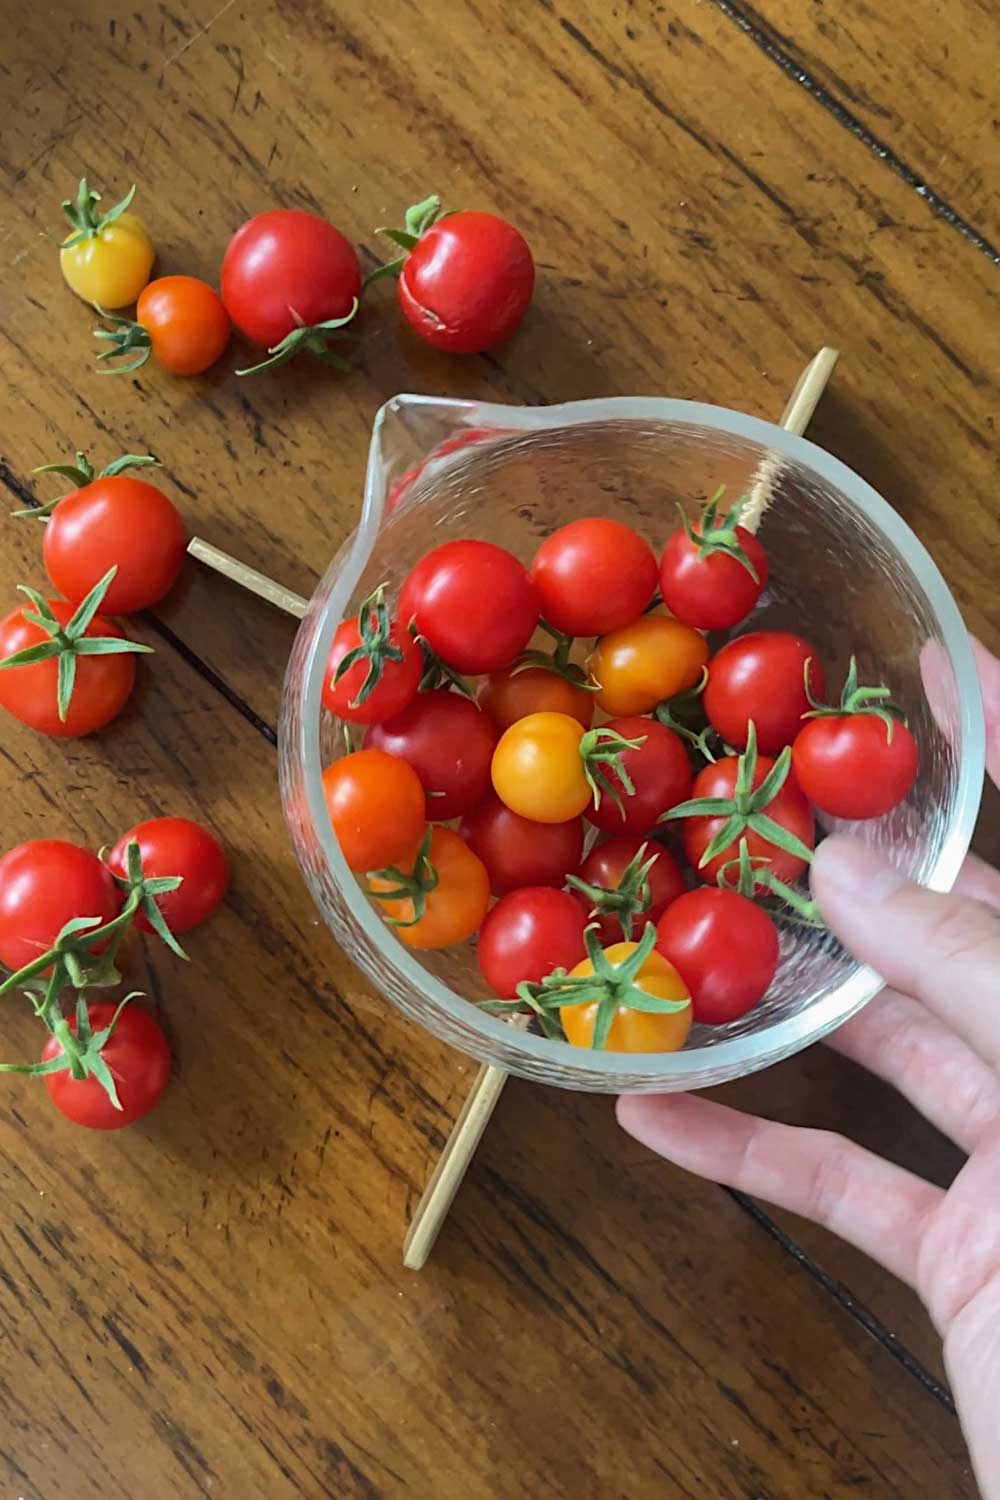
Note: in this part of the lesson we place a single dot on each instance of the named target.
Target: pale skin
(935, 1036)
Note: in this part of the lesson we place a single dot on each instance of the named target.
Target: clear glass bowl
(846, 572)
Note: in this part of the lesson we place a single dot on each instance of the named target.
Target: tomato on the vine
(645, 780)
(137, 1056)
(593, 576)
(633, 1030)
(108, 257)
(179, 319)
(176, 846)
(374, 667)
(712, 572)
(725, 949)
(377, 807)
(529, 933)
(442, 897)
(761, 676)
(515, 692)
(518, 852)
(857, 760)
(473, 603)
(615, 897)
(449, 742)
(44, 884)
(646, 661)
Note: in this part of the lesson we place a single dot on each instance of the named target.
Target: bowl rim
(734, 1056)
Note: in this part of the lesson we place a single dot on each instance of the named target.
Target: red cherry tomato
(512, 694)
(286, 269)
(101, 689)
(467, 283)
(724, 948)
(43, 885)
(449, 742)
(660, 773)
(181, 320)
(517, 851)
(789, 809)
(716, 591)
(177, 846)
(761, 676)
(374, 687)
(852, 766)
(473, 602)
(139, 1060)
(593, 576)
(529, 933)
(604, 867)
(115, 522)
(377, 809)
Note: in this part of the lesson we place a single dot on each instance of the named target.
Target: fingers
(901, 1041)
(877, 1207)
(979, 881)
(940, 687)
(943, 950)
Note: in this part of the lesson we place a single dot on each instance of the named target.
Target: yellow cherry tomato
(108, 258)
(633, 1030)
(638, 666)
(538, 770)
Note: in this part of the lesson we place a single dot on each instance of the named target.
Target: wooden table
(212, 1303)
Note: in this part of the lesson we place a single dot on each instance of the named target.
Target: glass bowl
(846, 572)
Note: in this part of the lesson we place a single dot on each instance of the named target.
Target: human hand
(935, 1036)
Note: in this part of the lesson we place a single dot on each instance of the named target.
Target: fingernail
(853, 869)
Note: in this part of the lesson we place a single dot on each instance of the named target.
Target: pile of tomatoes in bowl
(584, 767)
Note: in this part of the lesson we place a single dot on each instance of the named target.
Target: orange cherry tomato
(186, 321)
(538, 770)
(377, 808)
(638, 666)
(633, 1030)
(510, 695)
(453, 908)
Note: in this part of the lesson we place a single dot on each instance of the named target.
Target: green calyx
(315, 337)
(747, 876)
(86, 218)
(855, 699)
(601, 751)
(414, 885)
(557, 661)
(81, 1054)
(717, 533)
(681, 712)
(437, 673)
(126, 337)
(419, 218)
(626, 901)
(745, 809)
(376, 646)
(67, 643)
(82, 473)
(142, 891)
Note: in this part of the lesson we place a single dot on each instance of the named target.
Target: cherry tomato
(789, 809)
(593, 576)
(761, 676)
(603, 869)
(633, 1030)
(179, 319)
(177, 846)
(474, 604)
(704, 577)
(107, 258)
(853, 766)
(529, 933)
(43, 885)
(538, 770)
(660, 773)
(467, 282)
(139, 1060)
(724, 948)
(384, 674)
(449, 743)
(101, 689)
(642, 663)
(377, 808)
(518, 852)
(454, 906)
(284, 272)
(115, 521)
(511, 694)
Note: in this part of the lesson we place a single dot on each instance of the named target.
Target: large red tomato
(788, 809)
(517, 851)
(659, 771)
(712, 573)
(43, 885)
(101, 684)
(473, 603)
(761, 676)
(593, 575)
(119, 522)
(620, 904)
(177, 846)
(529, 933)
(137, 1057)
(449, 743)
(724, 948)
(467, 282)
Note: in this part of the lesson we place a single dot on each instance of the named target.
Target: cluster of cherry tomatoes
(291, 281)
(627, 724)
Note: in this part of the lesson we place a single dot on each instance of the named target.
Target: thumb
(942, 949)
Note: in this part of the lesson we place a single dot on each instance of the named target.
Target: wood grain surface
(212, 1303)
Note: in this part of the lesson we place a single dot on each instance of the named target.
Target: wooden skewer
(249, 578)
(795, 418)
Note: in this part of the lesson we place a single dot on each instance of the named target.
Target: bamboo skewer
(248, 578)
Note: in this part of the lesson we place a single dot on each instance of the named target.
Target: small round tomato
(788, 808)
(377, 807)
(538, 770)
(528, 934)
(115, 521)
(449, 743)
(724, 948)
(43, 885)
(518, 852)
(646, 661)
(374, 667)
(107, 258)
(761, 676)
(138, 1058)
(658, 769)
(516, 692)
(101, 687)
(179, 319)
(177, 846)
(467, 282)
(713, 573)
(473, 603)
(449, 899)
(593, 576)
(633, 1030)
(855, 765)
(618, 906)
